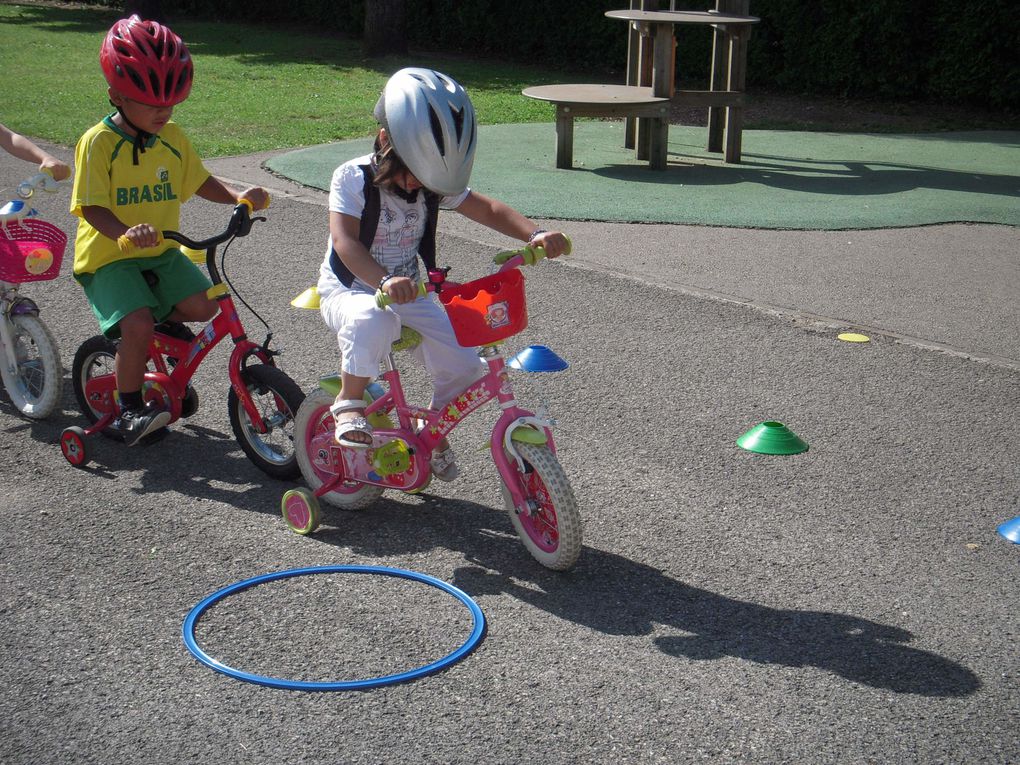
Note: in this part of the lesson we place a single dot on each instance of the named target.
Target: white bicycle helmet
(431, 124)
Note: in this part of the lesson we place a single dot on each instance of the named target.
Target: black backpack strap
(370, 222)
(427, 248)
(366, 233)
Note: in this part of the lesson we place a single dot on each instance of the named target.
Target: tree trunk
(385, 28)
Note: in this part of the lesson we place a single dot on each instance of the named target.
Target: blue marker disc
(477, 632)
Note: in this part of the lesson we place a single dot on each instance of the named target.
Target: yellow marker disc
(853, 337)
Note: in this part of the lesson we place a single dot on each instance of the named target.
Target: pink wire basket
(30, 251)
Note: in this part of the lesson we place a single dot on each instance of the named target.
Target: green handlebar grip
(530, 254)
(382, 299)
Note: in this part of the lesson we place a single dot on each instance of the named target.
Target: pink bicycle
(536, 491)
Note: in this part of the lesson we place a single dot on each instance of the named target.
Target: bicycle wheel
(314, 418)
(36, 390)
(277, 399)
(551, 531)
(94, 358)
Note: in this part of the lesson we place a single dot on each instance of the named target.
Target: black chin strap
(141, 137)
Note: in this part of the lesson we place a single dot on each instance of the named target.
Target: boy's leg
(135, 420)
(196, 307)
(122, 302)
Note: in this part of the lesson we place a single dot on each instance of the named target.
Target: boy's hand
(257, 195)
(143, 235)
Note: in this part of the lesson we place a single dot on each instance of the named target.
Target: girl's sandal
(444, 465)
(354, 422)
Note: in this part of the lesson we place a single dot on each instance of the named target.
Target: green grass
(257, 88)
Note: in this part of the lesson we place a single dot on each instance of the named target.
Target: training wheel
(300, 511)
(72, 444)
(423, 487)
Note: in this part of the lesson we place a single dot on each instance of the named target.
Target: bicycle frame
(190, 355)
(512, 423)
(173, 382)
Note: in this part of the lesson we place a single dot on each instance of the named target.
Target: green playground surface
(786, 179)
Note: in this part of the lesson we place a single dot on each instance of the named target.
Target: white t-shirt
(398, 235)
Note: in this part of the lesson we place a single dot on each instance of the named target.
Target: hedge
(964, 51)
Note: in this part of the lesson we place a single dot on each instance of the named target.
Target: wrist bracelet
(385, 279)
(535, 233)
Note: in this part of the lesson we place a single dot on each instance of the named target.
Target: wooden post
(729, 67)
(564, 137)
(662, 84)
(639, 72)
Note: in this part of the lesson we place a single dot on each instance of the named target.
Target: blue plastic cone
(1011, 530)
(538, 358)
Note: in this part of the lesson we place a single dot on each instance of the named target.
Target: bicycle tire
(36, 391)
(552, 534)
(313, 417)
(278, 399)
(94, 358)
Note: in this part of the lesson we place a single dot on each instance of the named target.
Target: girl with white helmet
(382, 217)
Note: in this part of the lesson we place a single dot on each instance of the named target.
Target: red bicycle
(262, 401)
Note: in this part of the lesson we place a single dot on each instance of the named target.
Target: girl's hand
(554, 243)
(144, 235)
(257, 195)
(400, 289)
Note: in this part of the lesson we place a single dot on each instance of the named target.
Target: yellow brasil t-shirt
(168, 173)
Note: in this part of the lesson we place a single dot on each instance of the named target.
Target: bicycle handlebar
(240, 225)
(43, 180)
(527, 256)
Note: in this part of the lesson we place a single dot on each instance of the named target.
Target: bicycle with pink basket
(31, 250)
(536, 491)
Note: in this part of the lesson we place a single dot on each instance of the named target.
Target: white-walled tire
(552, 530)
(314, 417)
(35, 391)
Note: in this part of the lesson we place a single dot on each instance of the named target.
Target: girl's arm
(216, 190)
(22, 148)
(344, 231)
(506, 220)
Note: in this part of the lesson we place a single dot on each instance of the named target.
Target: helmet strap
(141, 137)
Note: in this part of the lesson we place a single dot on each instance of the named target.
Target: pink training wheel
(72, 445)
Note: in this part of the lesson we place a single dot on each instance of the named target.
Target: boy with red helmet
(135, 168)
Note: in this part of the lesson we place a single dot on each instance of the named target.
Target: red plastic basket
(30, 251)
(487, 310)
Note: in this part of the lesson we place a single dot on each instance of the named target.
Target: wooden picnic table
(649, 91)
(725, 96)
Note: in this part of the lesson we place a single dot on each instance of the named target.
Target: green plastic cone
(772, 438)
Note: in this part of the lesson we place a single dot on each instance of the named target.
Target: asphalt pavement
(852, 603)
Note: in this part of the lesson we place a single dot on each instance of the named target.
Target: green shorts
(119, 288)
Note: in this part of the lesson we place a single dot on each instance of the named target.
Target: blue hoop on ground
(477, 632)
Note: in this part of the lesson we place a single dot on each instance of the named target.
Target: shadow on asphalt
(618, 596)
(606, 592)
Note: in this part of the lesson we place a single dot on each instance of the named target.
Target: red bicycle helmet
(146, 62)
